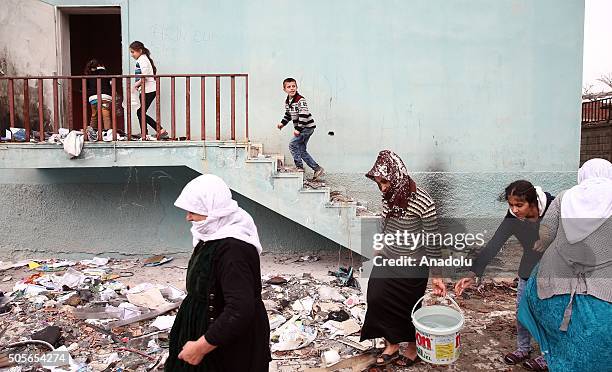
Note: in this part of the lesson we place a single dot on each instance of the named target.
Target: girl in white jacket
(145, 66)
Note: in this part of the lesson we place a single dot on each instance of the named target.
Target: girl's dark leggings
(149, 97)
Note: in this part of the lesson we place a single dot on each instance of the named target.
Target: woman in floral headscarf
(393, 291)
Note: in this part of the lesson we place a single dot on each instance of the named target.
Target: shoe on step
(319, 172)
(92, 134)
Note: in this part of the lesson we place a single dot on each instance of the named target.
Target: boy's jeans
(523, 337)
(297, 146)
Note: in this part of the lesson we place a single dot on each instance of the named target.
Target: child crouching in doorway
(93, 68)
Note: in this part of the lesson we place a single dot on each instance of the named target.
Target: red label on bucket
(423, 341)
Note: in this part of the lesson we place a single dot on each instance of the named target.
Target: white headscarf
(586, 206)
(209, 196)
(542, 201)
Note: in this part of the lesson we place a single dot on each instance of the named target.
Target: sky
(597, 58)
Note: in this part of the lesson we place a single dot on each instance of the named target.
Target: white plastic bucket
(438, 339)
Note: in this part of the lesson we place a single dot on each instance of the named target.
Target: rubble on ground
(85, 309)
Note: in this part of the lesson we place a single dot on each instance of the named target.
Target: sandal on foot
(404, 361)
(536, 364)
(516, 357)
(387, 359)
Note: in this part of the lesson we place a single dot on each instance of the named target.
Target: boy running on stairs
(296, 110)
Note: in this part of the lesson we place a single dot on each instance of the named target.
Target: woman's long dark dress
(224, 304)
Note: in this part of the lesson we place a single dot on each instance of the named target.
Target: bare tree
(606, 79)
(587, 92)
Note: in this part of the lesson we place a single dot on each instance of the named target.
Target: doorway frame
(62, 31)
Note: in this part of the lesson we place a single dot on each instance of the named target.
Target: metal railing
(597, 111)
(125, 125)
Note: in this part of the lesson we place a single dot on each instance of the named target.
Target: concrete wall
(472, 94)
(118, 211)
(596, 141)
(467, 86)
(27, 47)
(450, 86)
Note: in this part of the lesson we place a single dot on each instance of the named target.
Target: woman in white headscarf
(222, 324)
(567, 304)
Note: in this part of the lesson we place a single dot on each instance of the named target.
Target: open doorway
(87, 33)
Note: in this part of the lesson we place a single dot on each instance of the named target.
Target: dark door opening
(93, 36)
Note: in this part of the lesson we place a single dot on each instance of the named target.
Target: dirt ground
(489, 331)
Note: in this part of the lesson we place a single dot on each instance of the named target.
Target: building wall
(27, 47)
(471, 94)
(596, 141)
(119, 212)
(452, 87)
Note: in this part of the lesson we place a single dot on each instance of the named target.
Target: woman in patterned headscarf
(393, 291)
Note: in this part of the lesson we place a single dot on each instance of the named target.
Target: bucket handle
(429, 295)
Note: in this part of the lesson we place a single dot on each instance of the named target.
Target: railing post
(218, 106)
(114, 108)
(128, 114)
(157, 108)
(26, 108)
(41, 119)
(55, 126)
(69, 99)
(172, 108)
(233, 108)
(203, 108)
(246, 104)
(11, 98)
(99, 106)
(187, 108)
(143, 110)
(84, 102)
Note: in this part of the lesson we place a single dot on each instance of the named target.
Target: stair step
(321, 190)
(233, 144)
(341, 205)
(261, 160)
(288, 175)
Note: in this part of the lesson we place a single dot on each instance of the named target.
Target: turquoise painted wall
(120, 212)
(454, 86)
(472, 94)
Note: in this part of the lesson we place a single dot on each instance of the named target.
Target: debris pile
(82, 309)
(85, 310)
(315, 320)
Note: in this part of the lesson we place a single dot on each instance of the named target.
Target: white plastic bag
(73, 143)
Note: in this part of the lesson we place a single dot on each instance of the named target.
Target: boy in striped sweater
(296, 110)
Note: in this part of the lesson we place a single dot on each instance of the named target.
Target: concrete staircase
(243, 165)
(267, 182)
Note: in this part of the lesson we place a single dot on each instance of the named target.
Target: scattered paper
(163, 322)
(353, 341)
(348, 327)
(276, 320)
(72, 279)
(151, 298)
(303, 305)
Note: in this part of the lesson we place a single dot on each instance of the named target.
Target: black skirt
(391, 297)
